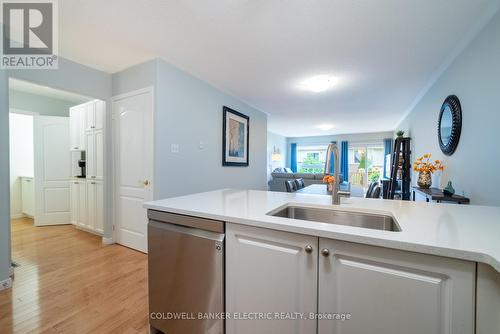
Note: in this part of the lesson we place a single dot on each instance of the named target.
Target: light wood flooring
(69, 282)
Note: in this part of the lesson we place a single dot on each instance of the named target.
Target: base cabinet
(366, 289)
(269, 271)
(391, 292)
(78, 203)
(95, 206)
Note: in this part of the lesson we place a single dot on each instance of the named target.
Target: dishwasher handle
(187, 230)
(189, 221)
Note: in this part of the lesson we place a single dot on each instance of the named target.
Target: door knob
(145, 182)
(308, 249)
(325, 252)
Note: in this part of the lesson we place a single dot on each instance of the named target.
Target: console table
(435, 194)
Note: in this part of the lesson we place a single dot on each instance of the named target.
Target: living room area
(365, 159)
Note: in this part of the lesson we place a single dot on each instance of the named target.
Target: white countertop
(467, 232)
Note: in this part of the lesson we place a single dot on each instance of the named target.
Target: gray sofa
(279, 178)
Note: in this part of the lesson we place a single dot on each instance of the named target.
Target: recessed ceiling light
(319, 83)
(325, 127)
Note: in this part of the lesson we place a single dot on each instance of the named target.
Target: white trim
(469, 37)
(107, 241)
(17, 215)
(116, 98)
(11, 271)
(6, 284)
(23, 112)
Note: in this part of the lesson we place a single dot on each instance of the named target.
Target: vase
(449, 190)
(424, 180)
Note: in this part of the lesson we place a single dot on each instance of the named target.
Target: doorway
(44, 164)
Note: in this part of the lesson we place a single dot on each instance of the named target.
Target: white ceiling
(385, 52)
(31, 88)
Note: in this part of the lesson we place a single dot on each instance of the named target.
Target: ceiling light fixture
(325, 127)
(319, 83)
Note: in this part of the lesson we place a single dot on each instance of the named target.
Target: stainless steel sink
(339, 217)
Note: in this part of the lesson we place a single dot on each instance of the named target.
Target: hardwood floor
(68, 282)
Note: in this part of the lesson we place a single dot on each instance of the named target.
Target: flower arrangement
(328, 179)
(425, 165)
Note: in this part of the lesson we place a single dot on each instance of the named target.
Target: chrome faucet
(336, 193)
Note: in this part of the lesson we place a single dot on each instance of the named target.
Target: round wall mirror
(450, 124)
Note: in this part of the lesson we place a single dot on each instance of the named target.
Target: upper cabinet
(77, 117)
(94, 116)
(87, 134)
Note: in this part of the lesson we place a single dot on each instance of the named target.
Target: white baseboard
(16, 216)
(11, 271)
(107, 241)
(6, 284)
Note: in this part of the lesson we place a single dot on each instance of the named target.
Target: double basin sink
(339, 217)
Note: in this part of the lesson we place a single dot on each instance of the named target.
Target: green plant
(400, 133)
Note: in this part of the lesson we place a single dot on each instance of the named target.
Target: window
(311, 158)
(366, 164)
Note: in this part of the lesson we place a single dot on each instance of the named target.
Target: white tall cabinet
(87, 134)
(383, 291)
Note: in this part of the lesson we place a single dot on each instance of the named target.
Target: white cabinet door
(392, 292)
(99, 207)
(90, 155)
(89, 116)
(28, 196)
(270, 271)
(77, 116)
(98, 154)
(91, 205)
(75, 202)
(82, 197)
(95, 206)
(79, 203)
(99, 112)
(95, 154)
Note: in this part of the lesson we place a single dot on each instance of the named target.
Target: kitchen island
(436, 272)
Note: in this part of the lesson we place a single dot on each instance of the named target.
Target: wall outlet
(201, 146)
(174, 148)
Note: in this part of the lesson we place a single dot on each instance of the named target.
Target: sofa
(281, 175)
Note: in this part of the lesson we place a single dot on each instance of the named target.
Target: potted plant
(400, 133)
(425, 168)
(329, 180)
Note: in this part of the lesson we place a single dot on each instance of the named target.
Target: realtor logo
(29, 36)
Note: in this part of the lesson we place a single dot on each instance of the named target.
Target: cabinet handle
(308, 249)
(93, 177)
(27, 180)
(92, 127)
(325, 252)
(75, 182)
(92, 182)
(75, 148)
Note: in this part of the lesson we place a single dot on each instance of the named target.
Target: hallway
(69, 282)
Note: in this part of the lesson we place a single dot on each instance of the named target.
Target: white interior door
(52, 170)
(133, 147)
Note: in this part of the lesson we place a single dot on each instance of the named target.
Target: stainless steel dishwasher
(186, 274)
